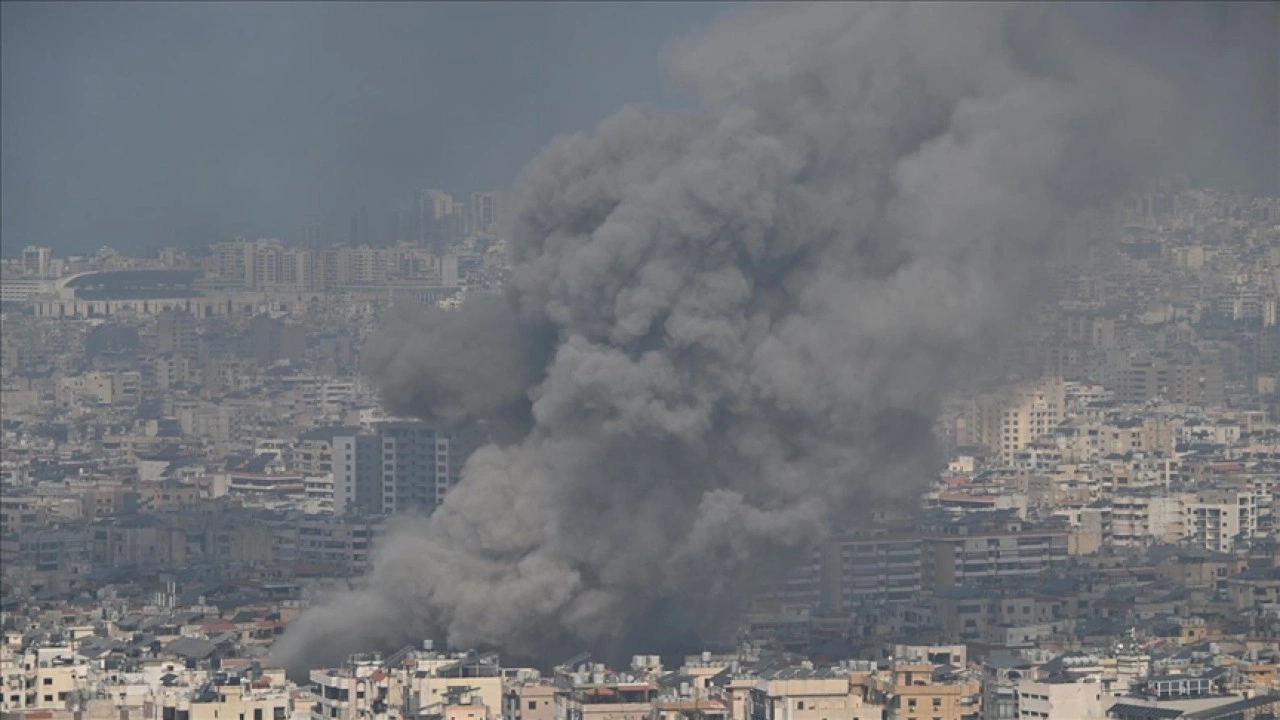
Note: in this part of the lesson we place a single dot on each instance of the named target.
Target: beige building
(1010, 422)
(606, 700)
(801, 693)
(242, 702)
(914, 692)
(1074, 700)
(530, 701)
(1217, 519)
(44, 679)
(466, 686)
(1139, 520)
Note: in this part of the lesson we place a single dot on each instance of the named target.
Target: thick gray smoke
(729, 332)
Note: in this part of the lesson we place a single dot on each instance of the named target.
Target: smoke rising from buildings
(728, 333)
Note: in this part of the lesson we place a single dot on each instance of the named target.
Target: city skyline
(270, 116)
(868, 361)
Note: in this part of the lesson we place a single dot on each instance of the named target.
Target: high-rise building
(266, 263)
(870, 567)
(1007, 423)
(366, 265)
(37, 261)
(414, 467)
(176, 333)
(357, 474)
(251, 264)
(460, 220)
(297, 269)
(1138, 380)
(230, 260)
(435, 221)
(420, 465)
(332, 267)
(486, 209)
(403, 466)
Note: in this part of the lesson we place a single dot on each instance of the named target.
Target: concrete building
(914, 691)
(344, 543)
(1218, 519)
(1051, 700)
(873, 568)
(1007, 423)
(419, 465)
(961, 560)
(176, 333)
(1137, 380)
(356, 461)
(227, 702)
(37, 261)
(799, 693)
(530, 700)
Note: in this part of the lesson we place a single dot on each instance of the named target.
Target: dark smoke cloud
(459, 391)
(754, 313)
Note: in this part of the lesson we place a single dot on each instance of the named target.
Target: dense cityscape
(191, 457)
(639, 361)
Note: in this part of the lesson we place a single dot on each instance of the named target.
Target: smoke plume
(728, 332)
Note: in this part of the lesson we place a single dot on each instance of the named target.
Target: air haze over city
(639, 361)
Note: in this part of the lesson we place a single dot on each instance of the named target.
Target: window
(911, 703)
(48, 681)
(278, 713)
(257, 714)
(533, 704)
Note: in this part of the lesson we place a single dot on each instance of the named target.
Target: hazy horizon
(262, 116)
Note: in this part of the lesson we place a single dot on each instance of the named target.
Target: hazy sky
(144, 124)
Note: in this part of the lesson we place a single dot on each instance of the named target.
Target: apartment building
(356, 461)
(1143, 519)
(1007, 423)
(801, 693)
(917, 691)
(870, 568)
(358, 691)
(341, 542)
(227, 702)
(599, 695)
(420, 464)
(45, 678)
(532, 700)
(1051, 700)
(1218, 519)
(1137, 380)
(985, 557)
